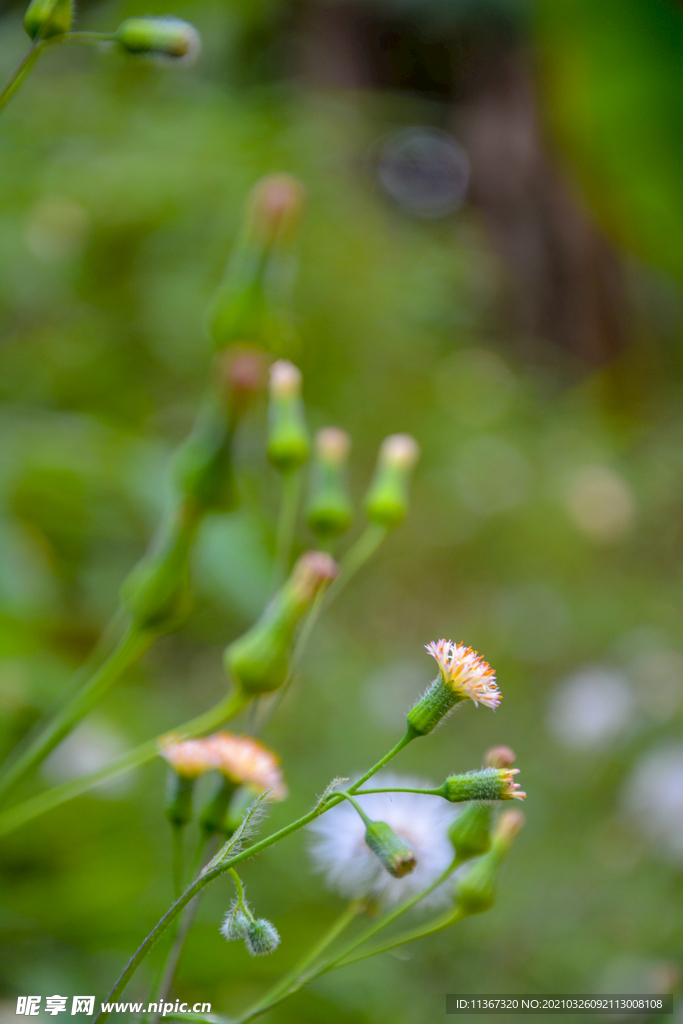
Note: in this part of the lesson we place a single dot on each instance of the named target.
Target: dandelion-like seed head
(247, 762)
(340, 851)
(465, 672)
(189, 758)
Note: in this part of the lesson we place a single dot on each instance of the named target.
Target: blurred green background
(529, 337)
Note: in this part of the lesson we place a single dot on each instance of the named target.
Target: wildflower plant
(384, 842)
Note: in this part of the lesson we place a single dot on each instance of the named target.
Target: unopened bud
(488, 784)
(394, 852)
(240, 374)
(45, 18)
(168, 37)
(477, 890)
(259, 660)
(261, 937)
(235, 924)
(470, 833)
(277, 203)
(329, 510)
(203, 468)
(155, 593)
(288, 443)
(386, 502)
(500, 757)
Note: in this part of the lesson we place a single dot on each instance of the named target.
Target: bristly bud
(477, 890)
(277, 204)
(463, 674)
(288, 444)
(489, 784)
(386, 502)
(166, 37)
(470, 833)
(45, 18)
(235, 924)
(259, 660)
(394, 852)
(261, 937)
(500, 757)
(329, 510)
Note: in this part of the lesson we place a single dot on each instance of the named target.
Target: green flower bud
(470, 833)
(488, 784)
(259, 660)
(214, 813)
(240, 374)
(394, 852)
(386, 502)
(155, 594)
(463, 674)
(45, 18)
(329, 508)
(235, 924)
(477, 890)
(261, 937)
(435, 705)
(167, 37)
(179, 799)
(288, 444)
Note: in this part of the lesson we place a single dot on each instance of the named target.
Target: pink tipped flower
(464, 672)
(512, 790)
(188, 758)
(247, 762)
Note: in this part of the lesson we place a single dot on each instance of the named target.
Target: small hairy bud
(488, 784)
(235, 924)
(167, 37)
(261, 937)
(45, 18)
(394, 852)
(386, 502)
(500, 757)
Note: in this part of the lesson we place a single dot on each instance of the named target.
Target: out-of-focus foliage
(545, 528)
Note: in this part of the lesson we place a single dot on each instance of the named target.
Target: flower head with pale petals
(189, 758)
(512, 790)
(247, 762)
(466, 673)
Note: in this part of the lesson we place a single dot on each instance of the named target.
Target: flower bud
(288, 443)
(329, 508)
(168, 37)
(394, 852)
(179, 792)
(386, 502)
(477, 890)
(259, 660)
(463, 674)
(261, 937)
(45, 18)
(277, 203)
(470, 833)
(488, 784)
(235, 924)
(240, 373)
(500, 757)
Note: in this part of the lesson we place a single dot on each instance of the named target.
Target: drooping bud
(261, 937)
(329, 510)
(386, 502)
(489, 784)
(477, 890)
(500, 757)
(288, 444)
(45, 18)
(167, 37)
(470, 833)
(259, 660)
(235, 924)
(394, 852)
(463, 675)
(155, 593)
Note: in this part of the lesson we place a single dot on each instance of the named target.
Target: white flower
(465, 672)
(352, 869)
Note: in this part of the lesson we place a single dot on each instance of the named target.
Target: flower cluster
(241, 759)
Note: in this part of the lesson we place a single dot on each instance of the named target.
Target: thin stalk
(128, 650)
(178, 833)
(403, 789)
(28, 60)
(32, 808)
(409, 736)
(437, 925)
(286, 525)
(357, 807)
(355, 558)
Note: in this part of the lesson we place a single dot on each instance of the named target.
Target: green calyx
(213, 817)
(288, 442)
(45, 18)
(432, 708)
(470, 833)
(386, 503)
(204, 469)
(394, 853)
(488, 784)
(169, 37)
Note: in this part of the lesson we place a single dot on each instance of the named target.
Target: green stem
(240, 891)
(178, 832)
(402, 789)
(225, 710)
(438, 925)
(129, 648)
(355, 558)
(354, 803)
(26, 63)
(286, 526)
(291, 977)
(409, 736)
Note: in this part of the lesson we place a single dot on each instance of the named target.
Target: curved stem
(178, 836)
(402, 789)
(129, 648)
(409, 736)
(225, 710)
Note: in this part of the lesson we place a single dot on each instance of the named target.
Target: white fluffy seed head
(340, 852)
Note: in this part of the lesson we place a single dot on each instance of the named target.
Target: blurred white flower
(591, 708)
(91, 746)
(600, 503)
(653, 798)
(353, 870)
